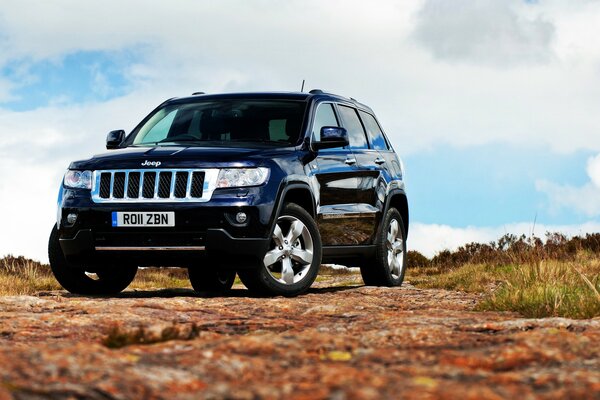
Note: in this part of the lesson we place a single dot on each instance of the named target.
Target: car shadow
(182, 292)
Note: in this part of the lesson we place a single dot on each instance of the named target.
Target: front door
(336, 176)
(370, 188)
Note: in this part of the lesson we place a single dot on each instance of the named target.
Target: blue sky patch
(78, 77)
(490, 185)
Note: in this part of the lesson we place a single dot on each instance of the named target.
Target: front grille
(118, 190)
(133, 187)
(181, 179)
(149, 185)
(197, 183)
(105, 186)
(162, 185)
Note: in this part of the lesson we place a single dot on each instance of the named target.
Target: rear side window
(325, 116)
(373, 131)
(356, 133)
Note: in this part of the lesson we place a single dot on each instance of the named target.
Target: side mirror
(114, 139)
(331, 137)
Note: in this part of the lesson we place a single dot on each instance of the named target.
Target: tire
(211, 279)
(291, 265)
(250, 279)
(75, 280)
(388, 266)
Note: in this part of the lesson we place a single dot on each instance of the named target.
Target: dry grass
(546, 288)
(153, 278)
(333, 269)
(20, 276)
(550, 288)
(472, 278)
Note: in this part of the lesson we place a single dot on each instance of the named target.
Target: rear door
(387, 158)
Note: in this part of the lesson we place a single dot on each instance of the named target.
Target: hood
(180, 157)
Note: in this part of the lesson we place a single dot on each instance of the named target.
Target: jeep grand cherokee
(265, 185)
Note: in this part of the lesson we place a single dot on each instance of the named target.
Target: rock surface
(350, 342)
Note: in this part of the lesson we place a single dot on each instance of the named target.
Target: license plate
(144, 218)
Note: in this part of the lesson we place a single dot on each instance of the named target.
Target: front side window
(325, 116)
(224, 123)
(374, 131)
(356, 133)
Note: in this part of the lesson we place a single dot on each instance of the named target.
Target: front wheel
(292, 262)
(77, 280)
(389, 264)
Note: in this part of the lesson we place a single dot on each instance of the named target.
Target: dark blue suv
(265, 185)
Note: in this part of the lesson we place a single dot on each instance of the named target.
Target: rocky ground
(347, 342)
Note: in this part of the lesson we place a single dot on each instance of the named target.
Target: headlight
(237, 177)
(78, 179)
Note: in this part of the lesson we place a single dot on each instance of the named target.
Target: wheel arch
(300, 194)
(398, 200)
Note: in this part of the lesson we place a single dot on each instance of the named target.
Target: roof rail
(316, 91)
(197, 93)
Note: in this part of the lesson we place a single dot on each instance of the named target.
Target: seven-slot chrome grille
(157, 185)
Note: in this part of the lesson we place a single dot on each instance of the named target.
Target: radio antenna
(302, 89)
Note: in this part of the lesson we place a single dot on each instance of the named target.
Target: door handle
(350, 161)
(379, 160)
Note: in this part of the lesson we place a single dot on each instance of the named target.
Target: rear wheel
(87, 281)
(389, 264)
(211, 279)
(292, 262)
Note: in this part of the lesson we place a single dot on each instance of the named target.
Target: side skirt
(351, 256)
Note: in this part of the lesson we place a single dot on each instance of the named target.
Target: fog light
(241, 217)
(71, 218)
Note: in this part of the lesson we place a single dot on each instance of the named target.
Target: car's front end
(165, 211)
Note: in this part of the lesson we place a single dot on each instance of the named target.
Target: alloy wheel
(291, 254)
(395, 249)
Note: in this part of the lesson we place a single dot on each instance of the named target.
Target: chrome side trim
(340, 211)
(209, 186)
(151, 248)
(348, 215)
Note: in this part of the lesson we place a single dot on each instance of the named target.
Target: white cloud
(429, 239)
(485, 31)
(593, 170)
(213, 32)
(584, 199)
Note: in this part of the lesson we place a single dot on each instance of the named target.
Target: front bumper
(202, 231)
(85, 249)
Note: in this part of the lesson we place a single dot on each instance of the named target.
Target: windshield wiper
(257, 140)
(180, 140)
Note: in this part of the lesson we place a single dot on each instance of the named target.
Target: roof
(301, 96)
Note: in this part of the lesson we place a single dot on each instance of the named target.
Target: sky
(492, 104)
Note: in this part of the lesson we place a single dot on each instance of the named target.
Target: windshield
(224, 123)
